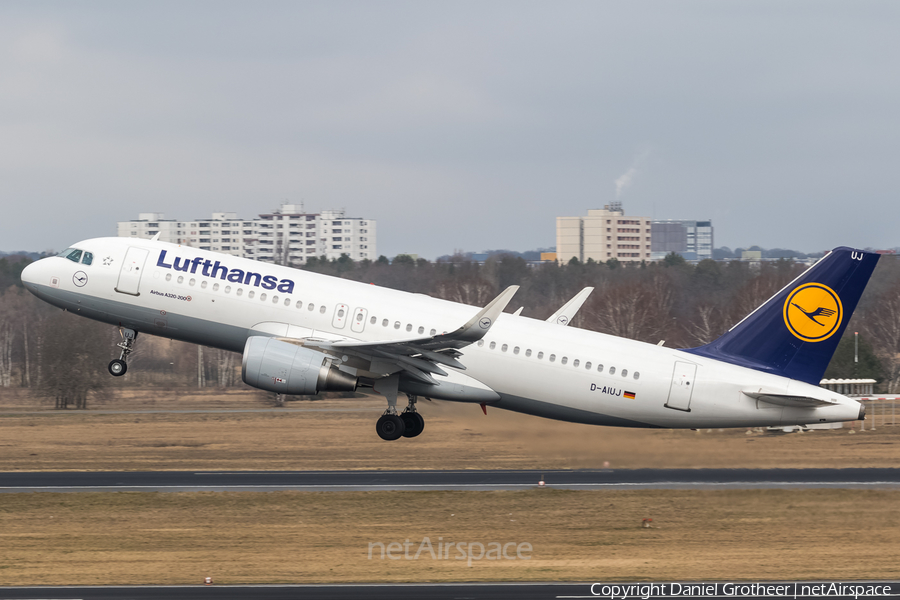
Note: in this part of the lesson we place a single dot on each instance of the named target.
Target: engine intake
(285, 368)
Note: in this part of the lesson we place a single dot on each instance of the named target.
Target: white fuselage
(536, 367)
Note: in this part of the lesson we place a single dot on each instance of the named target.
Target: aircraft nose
(29, 273)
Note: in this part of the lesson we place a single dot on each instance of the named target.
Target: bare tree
(638, 309)
(76, 359)
(881, 324)
(707, 324)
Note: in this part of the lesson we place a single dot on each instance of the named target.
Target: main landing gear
(117, 367)
(409, 423)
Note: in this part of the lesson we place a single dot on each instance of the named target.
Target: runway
(523, 591)
(458, 591)
(337, 481)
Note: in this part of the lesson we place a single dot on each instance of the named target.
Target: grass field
(135, 538)
(340, 434)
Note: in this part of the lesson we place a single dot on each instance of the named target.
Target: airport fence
(880, 412)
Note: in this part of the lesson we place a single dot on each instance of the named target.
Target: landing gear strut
(117, 367)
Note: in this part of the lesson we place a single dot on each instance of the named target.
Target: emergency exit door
(682, 386)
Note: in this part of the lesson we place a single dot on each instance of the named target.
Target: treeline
(64, 356)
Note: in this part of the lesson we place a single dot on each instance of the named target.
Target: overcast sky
(457, 125)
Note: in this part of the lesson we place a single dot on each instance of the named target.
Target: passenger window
(493, 345)
(480, 343)
(262, 297)
(552, 358)
(540, 355)
(504, 347)
(251, 293)
(322, 309)
(576, 362)
(564, 360)
(433, 332)
(624, 372)
(359, 317)
(409, 326)
(239, 292)
(396, 324)
(215, 287)
(516, 350)
(180, 279)
(227, 289)
(599, 368)
(528, 352)
(373, 320)
(87, 259)
(612, 370)
(74, 255)
(299, 303)
(311, 307)
(287, 301)
(637, 375)
(587, 365)
(421, 330)
(168, 277)
(203, 284)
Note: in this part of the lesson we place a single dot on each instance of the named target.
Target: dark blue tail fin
(795, 332)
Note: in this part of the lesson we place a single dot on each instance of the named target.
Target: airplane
(304, 333)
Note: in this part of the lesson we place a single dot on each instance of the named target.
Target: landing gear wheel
(413, 424)
(117, 368)
(389, 427)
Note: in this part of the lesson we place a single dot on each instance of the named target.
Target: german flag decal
(629, 395)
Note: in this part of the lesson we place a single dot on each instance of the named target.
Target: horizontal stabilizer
(788, 400)
(565, 314)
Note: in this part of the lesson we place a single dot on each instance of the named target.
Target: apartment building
(603, 234)
(288, 235)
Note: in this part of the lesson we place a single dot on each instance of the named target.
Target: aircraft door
(359, 320)
(682, 386)
(340, 316)
(132, 269)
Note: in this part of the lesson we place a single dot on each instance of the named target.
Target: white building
(604, 234)
(287, 235)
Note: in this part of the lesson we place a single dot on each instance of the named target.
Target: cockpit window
(72, 254)
(87, 259)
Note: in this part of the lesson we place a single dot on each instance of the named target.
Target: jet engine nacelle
(285, 368)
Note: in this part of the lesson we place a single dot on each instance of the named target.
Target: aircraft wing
(789, 400)
(419, 357)
(565, 314)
